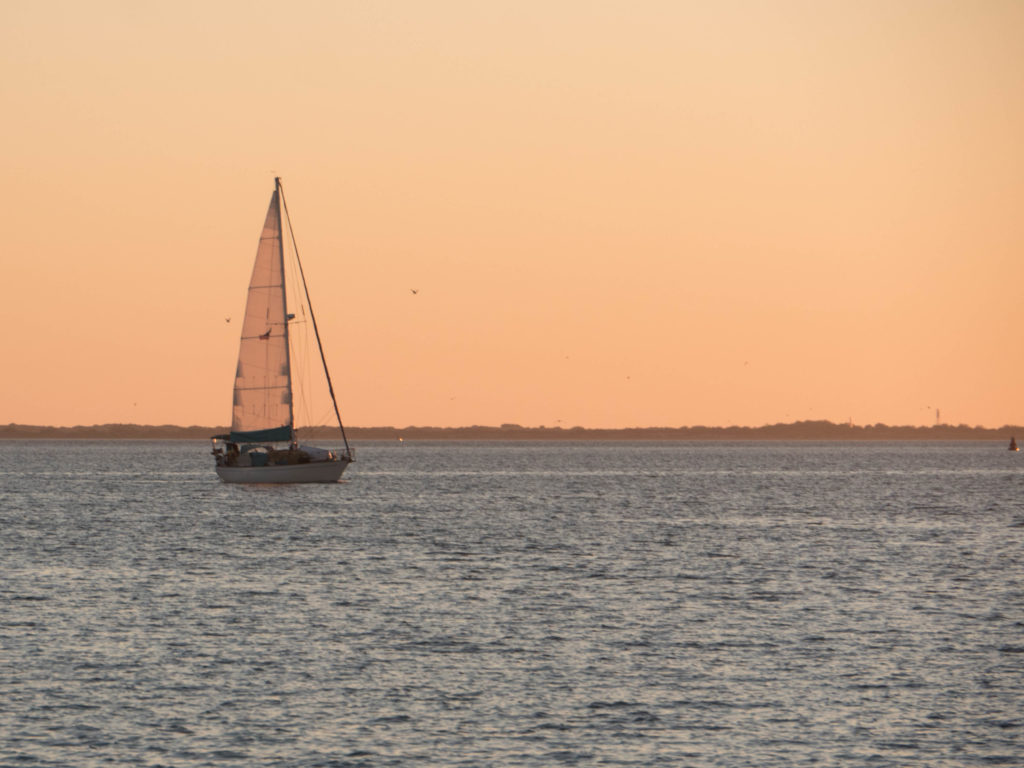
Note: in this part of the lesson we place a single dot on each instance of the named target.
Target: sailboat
(263, 444)
(1013, 444)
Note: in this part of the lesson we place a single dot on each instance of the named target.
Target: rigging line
(312, 315)
(284, 306)
(303, 355)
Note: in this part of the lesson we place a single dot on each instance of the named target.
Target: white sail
(263, 398)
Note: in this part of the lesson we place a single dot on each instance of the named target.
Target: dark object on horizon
(1013, 444)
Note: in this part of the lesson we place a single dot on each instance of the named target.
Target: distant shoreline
(800, 430)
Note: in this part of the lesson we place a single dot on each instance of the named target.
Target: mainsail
(263, 394)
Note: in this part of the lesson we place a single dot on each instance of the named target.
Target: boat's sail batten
(262, 396)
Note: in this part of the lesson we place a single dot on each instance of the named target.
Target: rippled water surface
(500, 604)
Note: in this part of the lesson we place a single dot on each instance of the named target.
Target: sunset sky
(616, 213)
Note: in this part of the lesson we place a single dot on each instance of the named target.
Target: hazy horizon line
(513, 427)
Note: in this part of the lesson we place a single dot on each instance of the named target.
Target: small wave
(391, 719)
(443, 646)
(1000, 759)
(717, 704)
(568, 756)
(74, 706)
(643, 716)
(909, 746)
(229, 754)
(553, 727)
(611, 704)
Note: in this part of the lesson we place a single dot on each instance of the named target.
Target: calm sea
(500, 604)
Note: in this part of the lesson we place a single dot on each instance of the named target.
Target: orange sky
(616, 213)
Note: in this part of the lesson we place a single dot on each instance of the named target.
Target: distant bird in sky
(414, 291)
(227, 319)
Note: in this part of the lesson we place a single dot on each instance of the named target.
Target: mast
(284, 303)
(312, 316)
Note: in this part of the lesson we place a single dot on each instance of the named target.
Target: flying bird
(414, 291)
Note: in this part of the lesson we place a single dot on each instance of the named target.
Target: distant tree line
(800, 430)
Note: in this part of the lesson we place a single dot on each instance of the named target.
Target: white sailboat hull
(314, 472)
